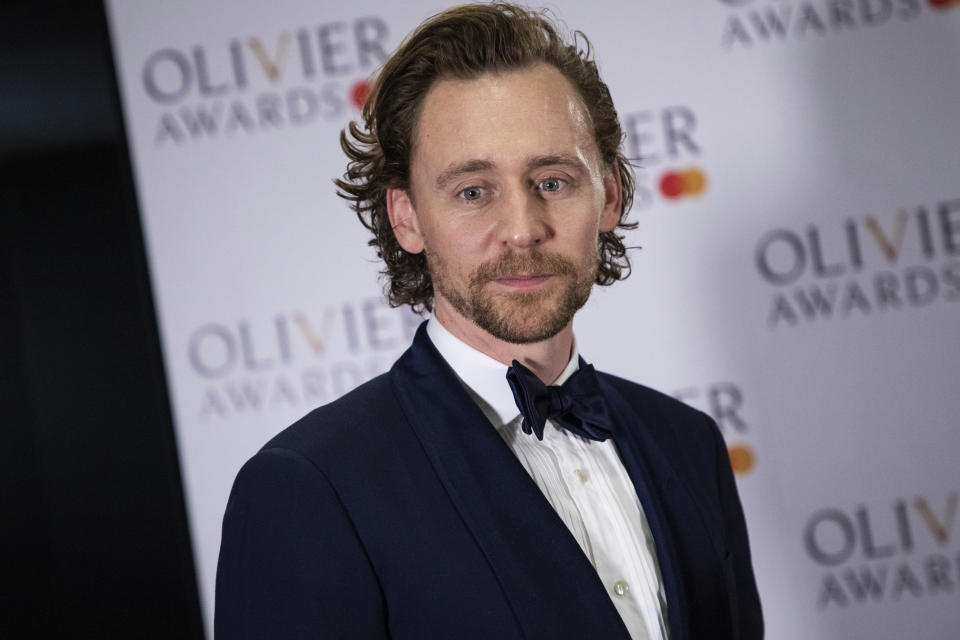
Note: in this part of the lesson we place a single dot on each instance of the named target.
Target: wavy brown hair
(463, 43)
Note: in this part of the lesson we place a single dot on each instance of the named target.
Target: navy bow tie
(578, 405)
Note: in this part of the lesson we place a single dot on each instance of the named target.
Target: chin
(525, 318)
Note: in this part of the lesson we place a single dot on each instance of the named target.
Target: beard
(518, 317)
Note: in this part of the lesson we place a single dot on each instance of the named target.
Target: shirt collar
(484, 378)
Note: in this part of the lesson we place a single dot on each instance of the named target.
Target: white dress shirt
(585, 482)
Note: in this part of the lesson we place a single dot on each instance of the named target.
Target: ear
(612, 199)
(403, 220)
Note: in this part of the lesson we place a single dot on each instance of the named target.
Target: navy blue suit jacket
(397, 511)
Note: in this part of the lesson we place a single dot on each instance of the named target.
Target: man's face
(508, 196)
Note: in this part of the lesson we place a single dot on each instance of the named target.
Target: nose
(524, 223)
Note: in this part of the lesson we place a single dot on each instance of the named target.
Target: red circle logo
(359, 93)
(671, 184)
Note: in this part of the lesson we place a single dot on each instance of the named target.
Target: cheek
(455, 245)
(589, 242)
(464, 239)
(586, 224)
(454, 248)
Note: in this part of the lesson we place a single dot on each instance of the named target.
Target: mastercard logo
(359, 93)
(677, 184)
(944, 4)
(742, 459)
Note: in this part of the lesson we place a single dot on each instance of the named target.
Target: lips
(522, 271)
(523, 280)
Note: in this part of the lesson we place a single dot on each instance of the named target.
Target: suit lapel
(665, 497)
(643, 461)
(552, 588)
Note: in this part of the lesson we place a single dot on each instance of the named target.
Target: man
(459, 496)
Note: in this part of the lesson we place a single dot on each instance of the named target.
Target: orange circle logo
(688, 182)
(742, 458)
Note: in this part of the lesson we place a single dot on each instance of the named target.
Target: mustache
(534, 262)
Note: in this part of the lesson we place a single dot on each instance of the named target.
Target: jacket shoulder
(352, 424)
(655, 404)
(687, 436)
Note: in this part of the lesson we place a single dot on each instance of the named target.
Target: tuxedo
(397, 511)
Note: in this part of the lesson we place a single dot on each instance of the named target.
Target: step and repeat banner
(798, 205)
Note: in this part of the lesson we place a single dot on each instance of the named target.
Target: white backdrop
(806, 294)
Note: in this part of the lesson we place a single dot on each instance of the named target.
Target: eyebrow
(455, 171)
(562, 160)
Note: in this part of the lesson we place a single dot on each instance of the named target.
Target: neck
(547, 358)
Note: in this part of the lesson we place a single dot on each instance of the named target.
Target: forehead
(502, 118)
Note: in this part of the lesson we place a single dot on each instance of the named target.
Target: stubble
(518, 317)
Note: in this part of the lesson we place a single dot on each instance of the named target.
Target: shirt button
(582, 475)
(620, 587)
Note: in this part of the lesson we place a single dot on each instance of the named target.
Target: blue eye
(551, 184)
(472, 193)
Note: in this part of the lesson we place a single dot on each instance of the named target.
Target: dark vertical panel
(94, 524)
(26, 582)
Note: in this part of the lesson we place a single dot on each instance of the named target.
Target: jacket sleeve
(744, 598)
(291, 564)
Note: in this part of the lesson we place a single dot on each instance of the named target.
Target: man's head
(491, 158)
